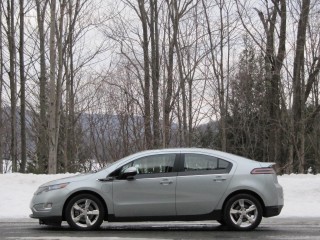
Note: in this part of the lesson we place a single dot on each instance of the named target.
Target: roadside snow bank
(301, 195)
(16, 191)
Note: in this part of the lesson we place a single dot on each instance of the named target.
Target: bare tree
(141, 66)
(155, 69)
(55, 83)
(70, 119)
(1, 84)
(273, 64)
(148, 68)
(189, 58)
(312, 90)
(77, 60)
(53, 137)
(299, 95)
(22, 91)
(13, 82)
(176, 11)
(219, 52)
(146, 90)
(42, 143)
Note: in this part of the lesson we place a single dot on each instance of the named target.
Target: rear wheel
(85, 212)
(243, 212)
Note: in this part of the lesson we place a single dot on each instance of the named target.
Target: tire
(242, 212)
(85, 212)
(222, 222)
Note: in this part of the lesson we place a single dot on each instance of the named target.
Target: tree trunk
(174, 16)
(1, 84)
(22, 92)
(155, 70)
(298, 86)
(190, 104)
(61, 54)
(146, 92)
(70, 120)
(53, 144)
(221, 84)
(218, 69)
(13, 84)
(42, 144)
(273, 65)
(55, 84)
(184, 128)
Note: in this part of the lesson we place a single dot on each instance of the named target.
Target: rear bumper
(271, 211)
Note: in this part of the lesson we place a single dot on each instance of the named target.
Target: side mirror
(129, 173)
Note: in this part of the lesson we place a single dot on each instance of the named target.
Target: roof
(217, 153)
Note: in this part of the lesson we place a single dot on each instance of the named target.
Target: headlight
(50, 188)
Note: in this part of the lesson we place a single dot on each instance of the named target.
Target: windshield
(114, 163)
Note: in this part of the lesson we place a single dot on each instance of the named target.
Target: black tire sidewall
(222, 222)
(85, 196)
(226, 212)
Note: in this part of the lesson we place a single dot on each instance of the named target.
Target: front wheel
(222, 222)
(243, 212)
(85, 212)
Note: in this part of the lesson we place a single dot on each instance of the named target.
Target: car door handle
(166, 182)
(219, 179)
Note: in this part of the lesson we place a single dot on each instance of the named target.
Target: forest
(84, 83)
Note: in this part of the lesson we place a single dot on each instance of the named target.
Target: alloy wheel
(85, 213)
(243, 213)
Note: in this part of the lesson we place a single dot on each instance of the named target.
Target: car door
(151, 192)
(201, 183)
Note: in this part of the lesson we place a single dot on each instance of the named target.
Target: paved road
(272, 228)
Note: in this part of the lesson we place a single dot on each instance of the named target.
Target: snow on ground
(16, 191)
(301, 193)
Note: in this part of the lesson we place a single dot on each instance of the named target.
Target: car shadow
(153, 231)
(147, 227)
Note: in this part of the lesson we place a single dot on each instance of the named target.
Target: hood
(76, 178)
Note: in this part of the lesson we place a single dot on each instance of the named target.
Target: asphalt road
(272, 228)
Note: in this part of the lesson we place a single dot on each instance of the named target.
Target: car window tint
(222, 164)
(162, 163)
(200, 162)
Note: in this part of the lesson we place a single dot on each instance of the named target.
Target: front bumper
(53, 221)
(48, 204)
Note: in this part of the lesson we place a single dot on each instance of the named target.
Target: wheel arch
(85, 192)
(245, 191)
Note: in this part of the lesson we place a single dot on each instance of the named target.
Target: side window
(204, 163)
(196, 162)
(223, 164)
(162, 163)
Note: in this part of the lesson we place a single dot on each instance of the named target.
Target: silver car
(182, 184)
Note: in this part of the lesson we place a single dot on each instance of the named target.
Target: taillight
(266, 170)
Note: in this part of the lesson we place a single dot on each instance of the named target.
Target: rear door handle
(219, 179)
(166, 182)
